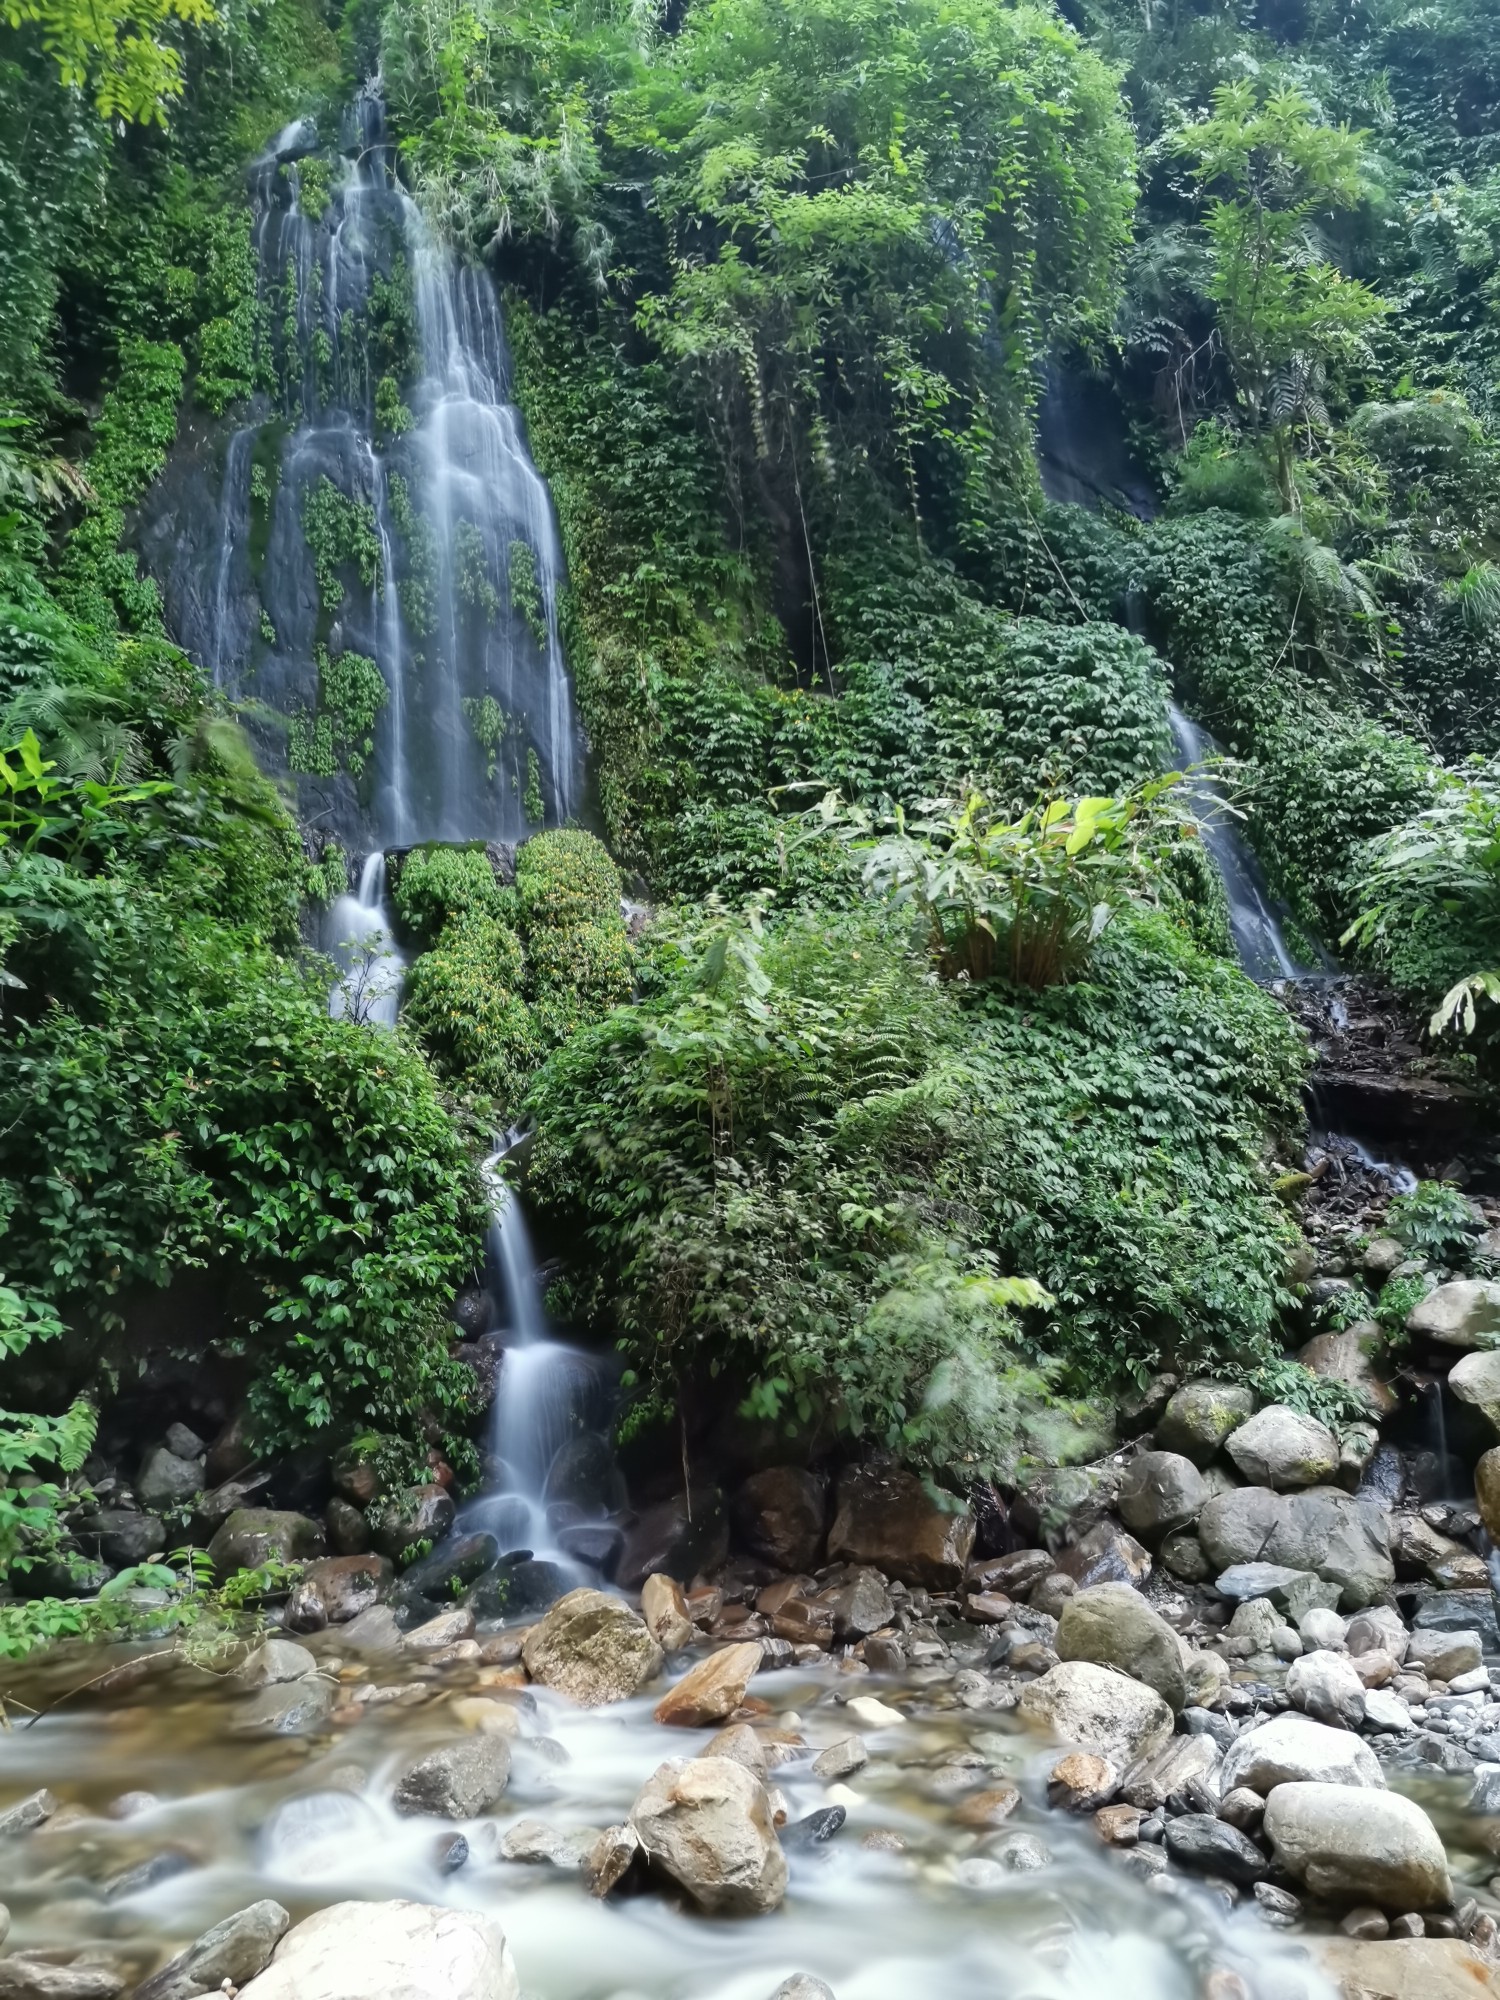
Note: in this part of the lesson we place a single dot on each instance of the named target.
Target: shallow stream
(904, 1899)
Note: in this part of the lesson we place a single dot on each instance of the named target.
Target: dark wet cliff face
(367, 559)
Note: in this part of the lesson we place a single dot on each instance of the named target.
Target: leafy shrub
(464, 1000)
(1429, 897)
(1024, 901)
(577, 954)
(1435, 1220)
(435, 885)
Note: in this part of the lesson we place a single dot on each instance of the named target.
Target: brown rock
(885, 1518)
(1014, 1574)
(679, 1537)
(1348, 1357)
(989, 1808)
(987, 1607)
(1082, 1782)
(1119, 1826)
(665, 1611)
(609, 1859)
(336, 1589)
(231, 1451)
(781, 1514)
(711, 1690)
(804, 1622)
(1407, 1969)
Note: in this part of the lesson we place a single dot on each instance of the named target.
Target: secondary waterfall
(361, 944)
(379, 582)
(1259, 941)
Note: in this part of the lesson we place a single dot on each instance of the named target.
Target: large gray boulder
(1201, 1416)
(885, 1517)
(1475, 1380)
(1236, 1527)
(459, 1781)
(1281, 1448)
(1359, 1846)
(234, 1950)
(592, 1648)
(1161, 1491)
(1345, 1539)
(1293, 1749)
(272, 1662)
(166, 1481)
(1093, 1708)
(1463, 1313)
(389, 1951)
(708, 1823)
(1114, 1626)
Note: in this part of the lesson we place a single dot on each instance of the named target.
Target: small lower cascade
(550, 1469)
(360, 940)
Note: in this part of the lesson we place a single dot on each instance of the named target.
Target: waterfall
(1259, 941)
(434, 560)
(547, 1400)
(360, 941)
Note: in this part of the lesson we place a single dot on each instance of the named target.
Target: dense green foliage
(790, 288)
(797, 1151)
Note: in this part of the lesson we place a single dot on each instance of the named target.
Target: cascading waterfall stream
(435, 559)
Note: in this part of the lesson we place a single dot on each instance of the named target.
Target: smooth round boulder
(255, 1536)
(1114, 1626)
(1093, 1708)
(1235, 1527)
(1161, 1491)
(1293, 1749)
(1359, 1846)
(1464, 1313)
(1201, 1416)
(1475, 1380)
(389, 1951)
(1283, 1449)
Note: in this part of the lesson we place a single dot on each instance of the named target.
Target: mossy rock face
(1114, 1626)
